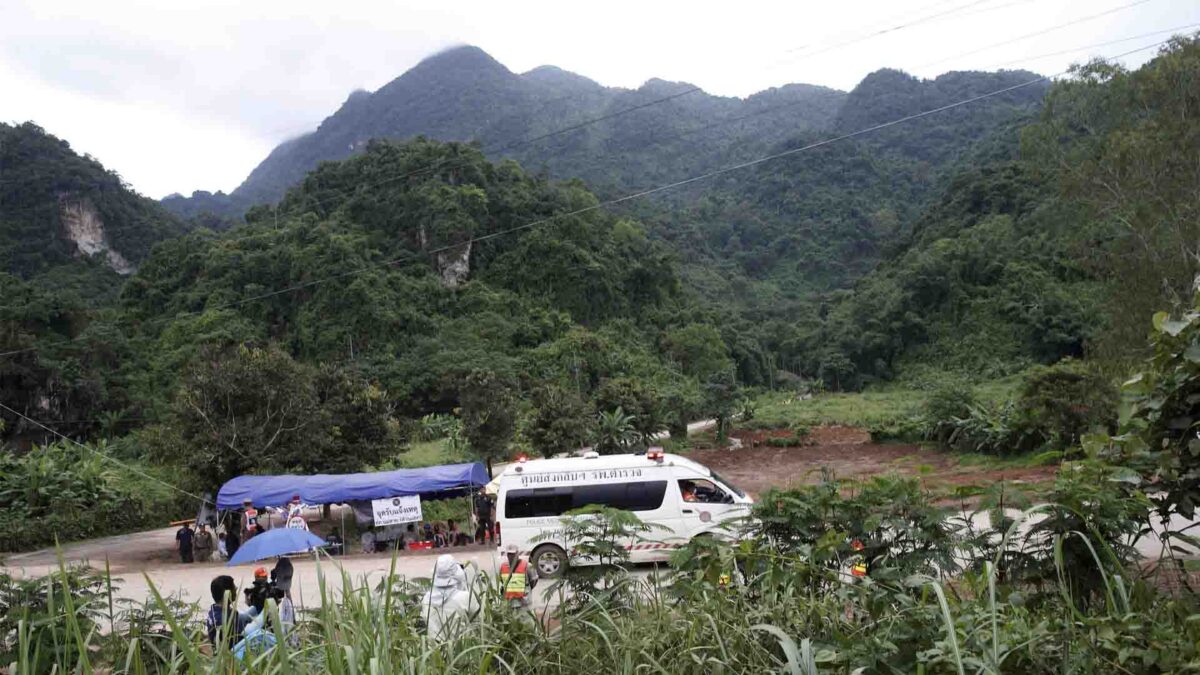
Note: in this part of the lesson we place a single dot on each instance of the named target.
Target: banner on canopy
(397, 510)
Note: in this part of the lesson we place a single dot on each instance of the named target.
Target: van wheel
(549, 560)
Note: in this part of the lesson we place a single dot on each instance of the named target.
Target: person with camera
(259, 634)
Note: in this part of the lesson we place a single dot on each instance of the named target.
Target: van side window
(542, 502)
(703, 492)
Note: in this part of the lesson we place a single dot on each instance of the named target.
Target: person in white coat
(446, 605)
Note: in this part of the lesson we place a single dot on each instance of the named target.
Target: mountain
(59, 208)
(823, 214)
(813, 221)
(464, 94)
(1065, 246)
(71, 232)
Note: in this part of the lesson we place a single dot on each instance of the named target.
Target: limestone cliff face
(84, 227)
(454, 265)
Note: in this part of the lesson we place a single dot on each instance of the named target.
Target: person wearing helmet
(517, 576)
(259, 636)
(446, 599)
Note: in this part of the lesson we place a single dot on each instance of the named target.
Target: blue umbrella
(277, 542)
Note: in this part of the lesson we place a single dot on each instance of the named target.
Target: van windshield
(727, 484)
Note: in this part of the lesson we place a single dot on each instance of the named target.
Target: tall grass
(784, 611)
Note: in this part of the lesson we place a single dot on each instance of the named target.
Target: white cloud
(183, 96)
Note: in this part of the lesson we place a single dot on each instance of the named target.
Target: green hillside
(371, 303)
(1065, 249)
(45, 187)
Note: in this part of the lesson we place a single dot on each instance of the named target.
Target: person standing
(295, 514)
(233, 540)
(517, 577)
(483, 511)
(281, 577)
(249, 520)
(446, 599)
(183, 543)
(203, 543)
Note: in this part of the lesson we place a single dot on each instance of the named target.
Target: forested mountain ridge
(820, 218)
(809, 223)
(57, 207)
(1063, 246)
(463, 94)
(70, 233)
(378, 298)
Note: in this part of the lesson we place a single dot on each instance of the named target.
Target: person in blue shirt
(224, 624)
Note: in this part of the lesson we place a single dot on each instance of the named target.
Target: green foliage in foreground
(1158, 436)
(942, 596)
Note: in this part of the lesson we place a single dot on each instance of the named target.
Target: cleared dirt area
(848, 453)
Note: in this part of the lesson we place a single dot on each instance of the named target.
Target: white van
(683, 497)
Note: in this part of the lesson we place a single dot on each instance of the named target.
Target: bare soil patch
(847, 452)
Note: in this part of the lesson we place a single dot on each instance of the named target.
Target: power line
(1034, 34)
(604, 204)
(1097, 44)
(114, 460)
(892, 29)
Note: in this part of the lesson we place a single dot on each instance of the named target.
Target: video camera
(261, 591)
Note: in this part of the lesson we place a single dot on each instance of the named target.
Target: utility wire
(1033, 34)
(1025, 59)
(891, 29)
(603, 204)
(114, 460)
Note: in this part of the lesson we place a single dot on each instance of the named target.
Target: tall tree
(243, 410)
(561, 421)
(489, 412)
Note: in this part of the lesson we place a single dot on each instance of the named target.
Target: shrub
(996, 429)
(436, 426)
(64, 492)
(1055, 406)
(790, 441)
(948, 403)
(898, 427)
(1064, 401)
(900, 529)
(1158, 437)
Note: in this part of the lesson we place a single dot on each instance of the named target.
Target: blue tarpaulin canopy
(449, 480)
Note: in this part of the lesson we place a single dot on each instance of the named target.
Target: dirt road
(145, 557)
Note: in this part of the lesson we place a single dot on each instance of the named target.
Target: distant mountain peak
(462, 57)
(555, 76)
(665, 87)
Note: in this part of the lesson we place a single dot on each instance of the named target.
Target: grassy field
(891, 413)
(426, 453)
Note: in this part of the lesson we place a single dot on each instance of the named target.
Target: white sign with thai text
(395, 510)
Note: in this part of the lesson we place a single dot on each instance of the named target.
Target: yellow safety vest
(515, 584)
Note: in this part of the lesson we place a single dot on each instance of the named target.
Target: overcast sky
(179, 96)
